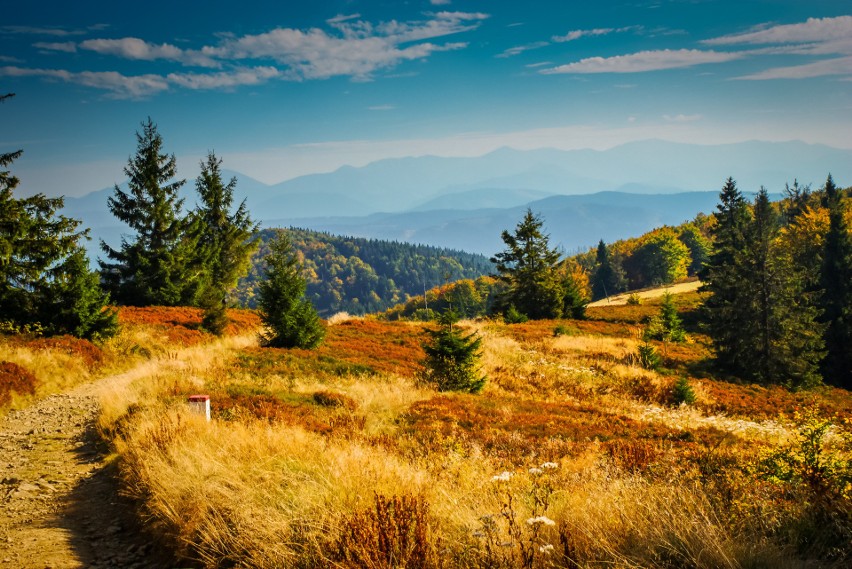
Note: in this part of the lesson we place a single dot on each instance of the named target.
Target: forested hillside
(359, 275)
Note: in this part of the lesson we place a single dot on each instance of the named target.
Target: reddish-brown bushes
(15, 379)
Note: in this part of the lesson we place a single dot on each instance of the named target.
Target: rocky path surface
(59, 500)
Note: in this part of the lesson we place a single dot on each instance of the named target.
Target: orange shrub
(15, 379)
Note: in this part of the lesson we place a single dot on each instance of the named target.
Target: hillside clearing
(619, 299)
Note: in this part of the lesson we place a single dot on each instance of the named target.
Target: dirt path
(60, 506)
(651, 293)
(59, 501)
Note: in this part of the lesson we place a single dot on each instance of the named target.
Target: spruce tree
(45, 280)
(528, 267)
(290, 319)
(452, 358)
(608, 278)
(784, 338)
(158, 264)
(223, 241)
(836, 281)
(725, 311)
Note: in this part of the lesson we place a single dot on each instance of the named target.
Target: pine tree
(45, 280)
(452, 358)
(158, 265)
(223, 241)
(667, 325)
(528, 267)
(291, 320)
(836, 281)
(725, 311)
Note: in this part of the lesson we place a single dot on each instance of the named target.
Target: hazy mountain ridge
(465, 202)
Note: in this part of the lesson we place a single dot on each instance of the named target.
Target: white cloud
(644, 61)
(681, 118)
(137, 49)
(381, 108)
(522, 48)
(577, 34)
(225, 79)
(814, 30)
(835, 66)
(361, 50)
(440, 2)
(67, 47)
(118, 85)
(37, 31)
(355, 48)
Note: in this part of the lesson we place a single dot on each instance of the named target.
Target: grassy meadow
(573, 455)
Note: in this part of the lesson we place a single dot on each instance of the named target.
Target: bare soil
(60, 505)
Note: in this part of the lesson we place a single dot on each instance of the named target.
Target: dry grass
(338, 458)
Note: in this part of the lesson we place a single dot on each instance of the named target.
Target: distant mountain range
(464, 203)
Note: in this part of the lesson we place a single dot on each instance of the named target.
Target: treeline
(359, 276)
(780, 278)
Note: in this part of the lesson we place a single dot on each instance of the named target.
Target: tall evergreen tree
(528, 267)
(608, 278)
(223, 241)
(291, 320)
(726, 311)
(158, 264)
(781, 332)
(836, 280)
(45, 281)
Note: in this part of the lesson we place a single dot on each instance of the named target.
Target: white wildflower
(541, 520)
(550, 465)
(504, 477)
(546, 548)
(536, 471)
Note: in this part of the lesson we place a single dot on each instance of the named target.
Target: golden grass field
(572, 456)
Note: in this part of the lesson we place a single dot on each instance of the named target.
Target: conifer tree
(836, 281)
(726, 313)
(223, 241)
(290, 319)
(781, 332)
(608, 278)
(528, 267)
(158, 265)
(45, 280)
(452, 358)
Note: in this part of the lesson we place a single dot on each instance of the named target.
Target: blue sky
(281, 89)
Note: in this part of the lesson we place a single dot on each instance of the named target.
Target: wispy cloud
(67, 47)
(381, 108)
(512, 51)
(814, 37)
(827, 67)
(439, 2)
(644, 61)
(41, 31)
(574, 35)
(814, 30)
(118, 85)
(360, 50)
(352, 47)
(137, 49)
(225, 79)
